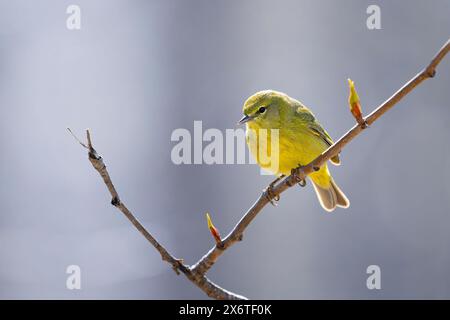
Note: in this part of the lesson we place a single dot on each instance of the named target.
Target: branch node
(177, 265)
(220, 245)
(93, 155)
(115, 201)
(431, 72)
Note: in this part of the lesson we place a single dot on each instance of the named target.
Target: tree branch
(208, 260)
(196, 273)
(200, 280)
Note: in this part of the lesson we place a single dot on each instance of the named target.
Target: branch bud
(214, 231)
(354, 103)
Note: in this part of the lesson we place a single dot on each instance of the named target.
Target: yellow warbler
(300, 140)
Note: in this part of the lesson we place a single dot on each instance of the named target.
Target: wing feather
(307, 116)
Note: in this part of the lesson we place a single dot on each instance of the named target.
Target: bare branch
(196, 273)
(200, 280)
(76, 138)
(208, 260)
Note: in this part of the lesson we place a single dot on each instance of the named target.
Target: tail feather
(341, 200)
(331, 197)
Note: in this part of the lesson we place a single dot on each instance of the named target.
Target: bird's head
(264, 108)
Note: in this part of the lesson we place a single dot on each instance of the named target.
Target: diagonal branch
(196, 273)
(208, 260)
(200, 280)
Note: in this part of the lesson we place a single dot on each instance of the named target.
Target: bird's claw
(295, 173)
(273, 198)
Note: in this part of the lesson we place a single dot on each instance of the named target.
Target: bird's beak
(245, 119)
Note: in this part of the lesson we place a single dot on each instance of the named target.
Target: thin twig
(76, 138)
(208, 260)
(200, 280)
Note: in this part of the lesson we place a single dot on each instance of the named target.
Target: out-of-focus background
(137, 70)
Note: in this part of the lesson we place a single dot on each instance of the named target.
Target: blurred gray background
(137, 70)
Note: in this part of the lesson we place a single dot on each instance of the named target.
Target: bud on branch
(355, 106)
(214, 231)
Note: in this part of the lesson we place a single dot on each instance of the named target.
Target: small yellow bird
(300, 140)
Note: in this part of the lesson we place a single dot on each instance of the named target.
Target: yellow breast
(281, 150)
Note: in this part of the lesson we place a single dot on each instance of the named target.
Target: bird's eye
(262, 110)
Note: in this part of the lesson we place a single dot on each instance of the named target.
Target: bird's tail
(329, 194)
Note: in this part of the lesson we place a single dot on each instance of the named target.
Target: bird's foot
(302, 183)
(295, 173)
(269, 194)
